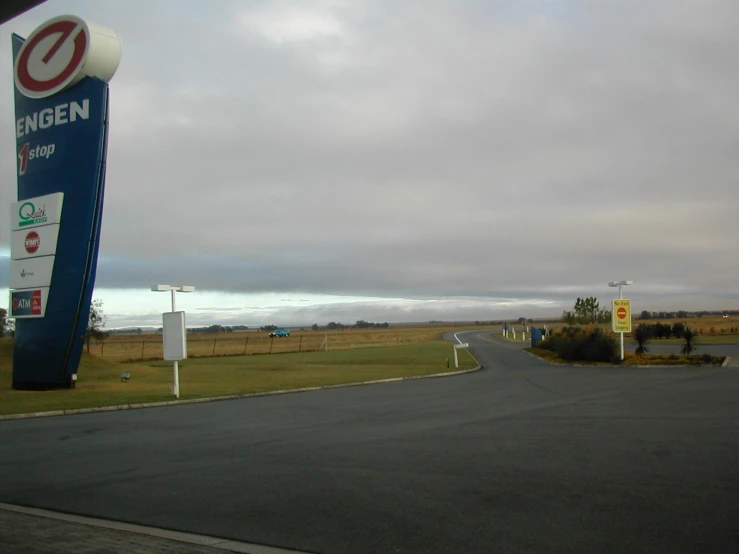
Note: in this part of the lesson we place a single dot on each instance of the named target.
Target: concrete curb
(227, 545)
(662, 366)
(232, 396)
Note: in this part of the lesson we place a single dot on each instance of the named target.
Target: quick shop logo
(29, 214)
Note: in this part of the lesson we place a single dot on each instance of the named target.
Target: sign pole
(622, 333)
(621, 318)
(174, 332)
(621, 313)
(176, 365)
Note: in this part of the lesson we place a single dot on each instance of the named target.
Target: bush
(576, 345)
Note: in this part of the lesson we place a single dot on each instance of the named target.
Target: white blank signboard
(175, 339)
(31, 273)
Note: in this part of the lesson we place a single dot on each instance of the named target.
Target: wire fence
(150, 347)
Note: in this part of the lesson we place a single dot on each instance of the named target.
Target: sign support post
(621, 313)
(174, 333)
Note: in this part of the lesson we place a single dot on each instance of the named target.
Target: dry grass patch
(139, 348)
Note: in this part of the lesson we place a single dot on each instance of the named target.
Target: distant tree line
(361, 324)
(682, 314)
(127, 331)
(213, 329)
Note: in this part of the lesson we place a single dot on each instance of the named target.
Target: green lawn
(99, 381)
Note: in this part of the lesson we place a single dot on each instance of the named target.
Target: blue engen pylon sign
(61, 75)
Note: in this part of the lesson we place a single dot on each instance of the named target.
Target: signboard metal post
(621, 313)
(174, 333)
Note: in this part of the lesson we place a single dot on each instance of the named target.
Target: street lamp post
(619, 284)
(173, 289)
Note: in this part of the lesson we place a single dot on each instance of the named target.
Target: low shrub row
(583, 345)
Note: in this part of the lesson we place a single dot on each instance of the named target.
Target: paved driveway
(519, 457)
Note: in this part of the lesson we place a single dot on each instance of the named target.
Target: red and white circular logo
(52, 56)
(33, 241)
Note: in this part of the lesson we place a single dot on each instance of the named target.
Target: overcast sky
(333, 160)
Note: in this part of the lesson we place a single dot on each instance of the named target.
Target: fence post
(143, 343)
(271, 342)
(300, 346)
(212, 354)
(102, 349)
(246, 343)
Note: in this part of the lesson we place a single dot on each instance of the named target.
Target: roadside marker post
(456, 347)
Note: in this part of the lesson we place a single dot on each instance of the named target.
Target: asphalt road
(518, 457)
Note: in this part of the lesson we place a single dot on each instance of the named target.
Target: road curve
(518, 457)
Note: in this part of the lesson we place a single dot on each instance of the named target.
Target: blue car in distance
(279, 333)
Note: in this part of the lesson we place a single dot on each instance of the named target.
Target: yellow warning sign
(621, 316)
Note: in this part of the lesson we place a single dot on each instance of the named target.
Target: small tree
(96, 323)
(641, 335)
(3, 321)
(568, 317)
(587, 310)
(689, 338)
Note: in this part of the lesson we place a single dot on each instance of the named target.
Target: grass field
(135, 348)
(99, 381)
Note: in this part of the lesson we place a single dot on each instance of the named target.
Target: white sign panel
(34, 212)
(34, 243)
(175, 338)
(32, 273)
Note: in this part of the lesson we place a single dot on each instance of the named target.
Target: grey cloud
(426, 149)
